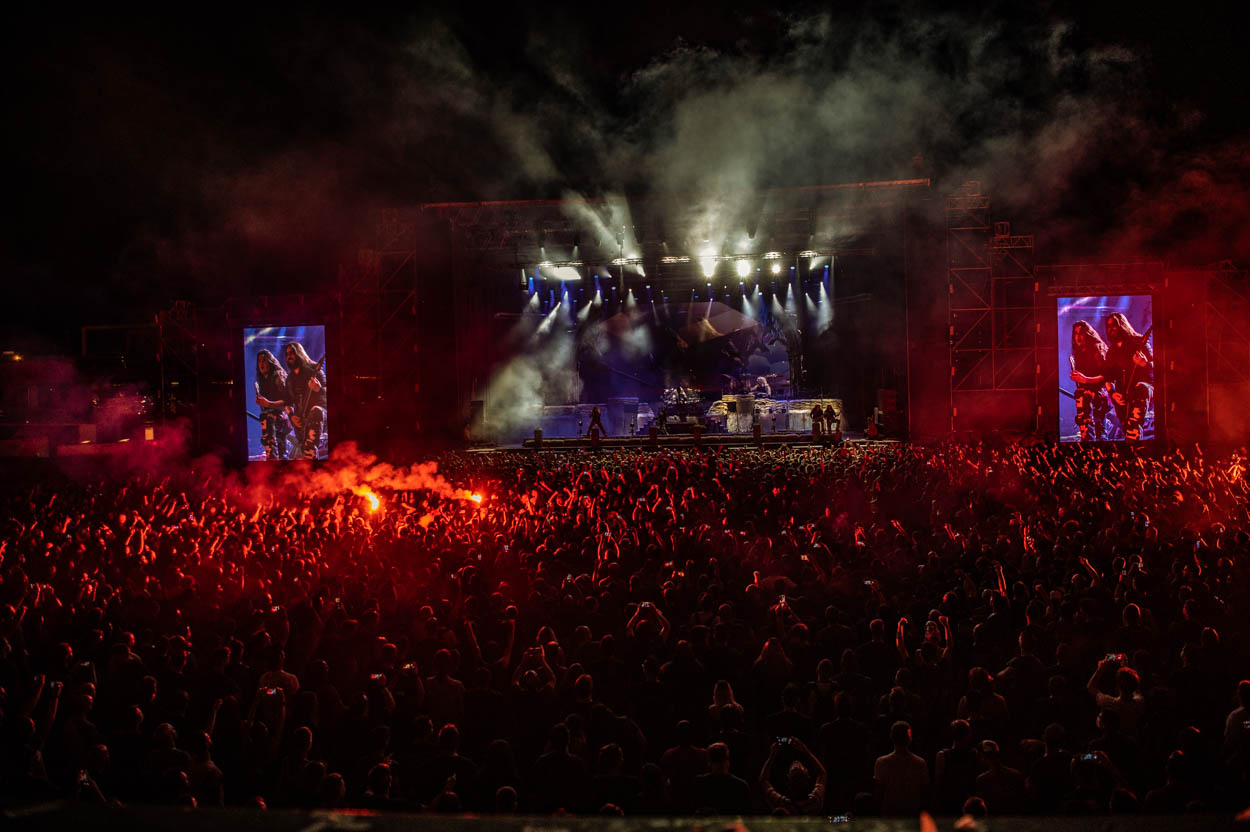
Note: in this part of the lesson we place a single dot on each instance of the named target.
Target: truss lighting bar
(670, 260)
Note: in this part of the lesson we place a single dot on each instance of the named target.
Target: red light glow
(375, 502)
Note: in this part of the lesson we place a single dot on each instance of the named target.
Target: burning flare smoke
(349, 470)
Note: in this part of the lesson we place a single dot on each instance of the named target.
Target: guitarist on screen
(1130, 374)
(1089, 359)
(271, 396)
(305, 397)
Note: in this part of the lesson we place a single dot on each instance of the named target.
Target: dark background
(212, 153)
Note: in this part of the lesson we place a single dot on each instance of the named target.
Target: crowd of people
(862, 630)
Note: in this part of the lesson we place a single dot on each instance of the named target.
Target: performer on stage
(1130, 370)
(818, 419)
(1089, 371)
(760, 387)
(271, 397)
(833, 423)
(305, 397)
(596, 421)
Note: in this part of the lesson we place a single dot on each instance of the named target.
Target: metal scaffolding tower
(378, 328)
(969, 297)
(992, 294)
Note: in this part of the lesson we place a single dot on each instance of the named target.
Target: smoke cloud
(1055, 126)
(270, 173)
(542, 370)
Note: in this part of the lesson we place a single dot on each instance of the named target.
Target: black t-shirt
(1089, 361)
(1050, 780)
(559, 781)
(959, 778)
(1120, 366)
(725, 793)
(844, 751)
(618, 789)
(272, 386)
(297, 393)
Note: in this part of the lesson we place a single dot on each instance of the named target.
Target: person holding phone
(1128, 702)
(277, 676)
(804, 790)
(649, 612)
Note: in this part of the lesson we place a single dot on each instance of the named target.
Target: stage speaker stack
(740, 412)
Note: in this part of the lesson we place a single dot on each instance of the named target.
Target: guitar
(1141, 343)
(298, 421)
(1117, 396)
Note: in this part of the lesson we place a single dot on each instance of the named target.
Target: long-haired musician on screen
(1089, 371)
(271, 397)
(306, 397)
(1130, 371)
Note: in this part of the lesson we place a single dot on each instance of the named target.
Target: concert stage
(688, 441)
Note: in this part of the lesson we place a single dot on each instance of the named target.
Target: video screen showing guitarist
(1105, 357)
(1130, 373)
(305, 398)
(275, 404)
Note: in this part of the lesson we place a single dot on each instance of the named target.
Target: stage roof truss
(526, 233)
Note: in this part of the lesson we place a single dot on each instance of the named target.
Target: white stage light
(743, 267)
(707, 261)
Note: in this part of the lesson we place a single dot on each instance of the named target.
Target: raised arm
(1094, 685)
(813, 762)
(946, 634)
(505, 660)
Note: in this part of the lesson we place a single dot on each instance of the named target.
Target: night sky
(172, 156)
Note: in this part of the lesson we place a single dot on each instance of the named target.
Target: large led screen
(287, 414)
(1106, 369)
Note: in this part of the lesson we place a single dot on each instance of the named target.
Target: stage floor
(718, 440)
